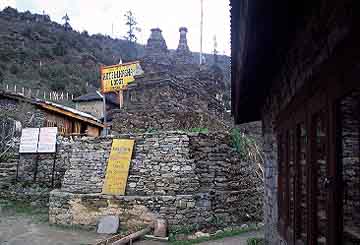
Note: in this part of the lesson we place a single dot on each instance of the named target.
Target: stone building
(295, 65)
(93, 104)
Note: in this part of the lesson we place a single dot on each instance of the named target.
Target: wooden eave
(70, 114)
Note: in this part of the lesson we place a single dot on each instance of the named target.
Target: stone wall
(46, 169)
(165, 104)
(350, 132)
(95, 108)
(29, 115)
(183, 177)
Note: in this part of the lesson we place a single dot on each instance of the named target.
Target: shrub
(247, 147)
(14, 69)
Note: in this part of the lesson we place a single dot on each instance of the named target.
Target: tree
(66, 24)
(133, 29)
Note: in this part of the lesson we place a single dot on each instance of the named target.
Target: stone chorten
(183, 55)
(183, 46)
(156, 49)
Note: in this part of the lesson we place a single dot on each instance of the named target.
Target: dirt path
(25, 229)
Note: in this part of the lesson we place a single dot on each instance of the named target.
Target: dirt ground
(28, 226)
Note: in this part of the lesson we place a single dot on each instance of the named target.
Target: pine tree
(132, 25)
(66, 24)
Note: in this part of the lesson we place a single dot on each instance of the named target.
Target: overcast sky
(97, 16)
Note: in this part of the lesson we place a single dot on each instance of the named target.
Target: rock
(108, 225)
(161, 228)
(200, 234)
(260, 224)
(244, 226)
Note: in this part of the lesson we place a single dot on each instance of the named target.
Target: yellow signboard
(117, 77)
(118, 167)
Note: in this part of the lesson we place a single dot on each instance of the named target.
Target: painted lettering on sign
(118, 167)
(117, 77)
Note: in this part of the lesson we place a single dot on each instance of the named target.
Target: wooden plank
(120, 239)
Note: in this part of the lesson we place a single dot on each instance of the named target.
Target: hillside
(38, 53)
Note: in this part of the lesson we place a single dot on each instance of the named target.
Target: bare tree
(133, 28)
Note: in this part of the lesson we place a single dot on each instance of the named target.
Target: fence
(45, 95)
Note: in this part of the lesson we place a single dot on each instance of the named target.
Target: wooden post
(121, 98)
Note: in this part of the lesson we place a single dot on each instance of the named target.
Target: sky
(98, 16)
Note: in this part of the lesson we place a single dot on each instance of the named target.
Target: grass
(255, 241)
(218, 236)
(38, 214)
(199, 130)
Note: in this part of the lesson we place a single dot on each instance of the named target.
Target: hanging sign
(29, 140)
(117, 77)
(118, 167)
(47, 140)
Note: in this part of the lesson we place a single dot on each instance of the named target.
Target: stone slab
(108, 225)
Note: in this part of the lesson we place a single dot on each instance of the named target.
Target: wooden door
(320, 179)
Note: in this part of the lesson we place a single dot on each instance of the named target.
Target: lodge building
(296, 66)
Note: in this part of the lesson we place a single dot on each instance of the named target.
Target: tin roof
(51, 106)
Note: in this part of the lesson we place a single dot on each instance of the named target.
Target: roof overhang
(52, 108)
(260, 32)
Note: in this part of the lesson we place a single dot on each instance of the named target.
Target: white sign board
(47, 140)
(29, 140)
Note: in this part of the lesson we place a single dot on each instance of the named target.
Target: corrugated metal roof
(47, 104)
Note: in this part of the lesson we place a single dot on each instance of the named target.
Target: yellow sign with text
(118, 167)
(117, 77)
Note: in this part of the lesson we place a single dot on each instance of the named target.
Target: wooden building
(31, 112)
(296, 66)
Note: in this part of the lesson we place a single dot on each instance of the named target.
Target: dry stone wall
(183, 177)
(164, 104)
(45, 169)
